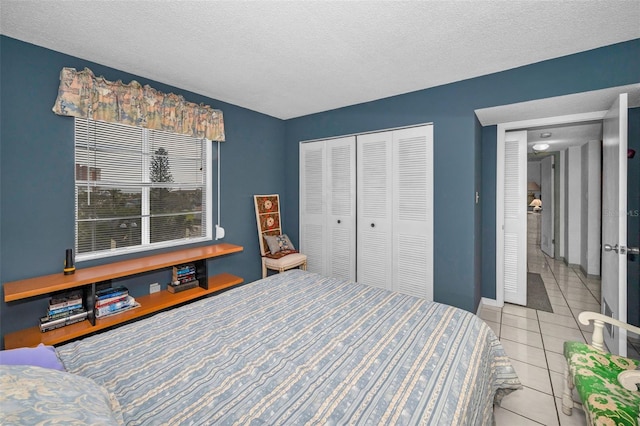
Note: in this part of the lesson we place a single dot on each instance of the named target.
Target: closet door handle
(338, 220)
(373, 225)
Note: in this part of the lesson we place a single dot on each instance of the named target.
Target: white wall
(580, 205)
(561, 205)
(573, 214)
(584, 200)
(591, 172)
(533, 172)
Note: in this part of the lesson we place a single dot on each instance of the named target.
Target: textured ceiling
(288, 59)
(564, 135)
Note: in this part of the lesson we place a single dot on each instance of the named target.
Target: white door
(312, 206)
(614, 222)
(514, 259)
(374, 209)
(341, 208)
(546, 189)
(412, 224)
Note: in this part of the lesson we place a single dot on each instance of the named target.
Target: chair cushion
(278, 243)
(281, 253)
(595, 375)
(286, 262)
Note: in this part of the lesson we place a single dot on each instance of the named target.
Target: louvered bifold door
(412, 225)
(374, 209)
(341, 208)
(312, 206)
(515, 224)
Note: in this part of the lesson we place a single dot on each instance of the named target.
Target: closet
(328, 206)
(366, 208)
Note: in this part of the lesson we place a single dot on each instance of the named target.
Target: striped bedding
(299, 348)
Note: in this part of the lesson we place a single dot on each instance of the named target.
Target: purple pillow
(40, 356)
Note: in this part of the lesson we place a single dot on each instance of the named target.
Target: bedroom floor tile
(521, 336)
(557, 383)
(490, 315)
(532, 404)
(534, 341)
(521, 322)
(560, 301)
(577, 417)
(520, 311)
(554, 318)
(533, 377)
(555, 330)
(583, 306)
(562, 310)
(556, 344)
(506, 417)
(555, 361)
(524, 353)
(495, 326)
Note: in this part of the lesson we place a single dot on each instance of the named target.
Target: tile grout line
(546, 358)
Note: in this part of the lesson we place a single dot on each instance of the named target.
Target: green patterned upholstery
(595, 375)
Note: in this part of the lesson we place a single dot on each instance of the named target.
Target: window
(139, 189)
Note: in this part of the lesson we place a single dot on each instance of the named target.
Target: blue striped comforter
(299, 348)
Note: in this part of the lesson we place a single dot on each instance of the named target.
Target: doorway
(579, 107)
(569, 211)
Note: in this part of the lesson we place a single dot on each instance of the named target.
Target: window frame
(146, 245)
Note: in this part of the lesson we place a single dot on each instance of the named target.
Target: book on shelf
(104, 302)
(47, 324)
(176, 288)
(185, 279)
(111, 292)
(115, 307)
(184, 272)
(65, 314)
(53, 312)
(62, 300)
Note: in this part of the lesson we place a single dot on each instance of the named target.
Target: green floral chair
(607, 384)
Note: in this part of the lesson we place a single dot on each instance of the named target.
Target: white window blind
(139, 189)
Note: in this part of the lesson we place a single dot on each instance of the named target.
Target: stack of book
(113, 300)
(184, 278)
(64, 309)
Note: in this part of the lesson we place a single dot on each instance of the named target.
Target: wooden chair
(269, 227)
(607, 384)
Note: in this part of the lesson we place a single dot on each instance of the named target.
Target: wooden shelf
(149, 304)
(38, 286)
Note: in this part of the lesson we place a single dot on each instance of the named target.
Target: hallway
(534, 340)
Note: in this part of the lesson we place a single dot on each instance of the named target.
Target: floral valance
(81, 94)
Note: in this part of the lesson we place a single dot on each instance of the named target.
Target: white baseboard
(488, 302)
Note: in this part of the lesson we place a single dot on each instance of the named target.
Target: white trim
(145, 206)
(209, 175)
(366, 133)
(501, 131)
(485, 301)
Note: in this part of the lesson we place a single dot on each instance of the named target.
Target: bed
(299, 348)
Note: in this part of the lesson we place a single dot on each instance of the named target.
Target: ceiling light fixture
(540, 147)
(545, 135)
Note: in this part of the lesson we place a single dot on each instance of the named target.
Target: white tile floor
(533, 340)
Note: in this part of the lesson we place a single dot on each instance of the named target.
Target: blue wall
(477, 222)
(489, 137)
(36, 163)
(488, 189)
(451, 108)
(37, 174)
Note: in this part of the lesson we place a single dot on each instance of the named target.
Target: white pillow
(32, 395)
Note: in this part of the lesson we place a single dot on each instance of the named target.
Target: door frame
(502, 129)
(548, 213)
